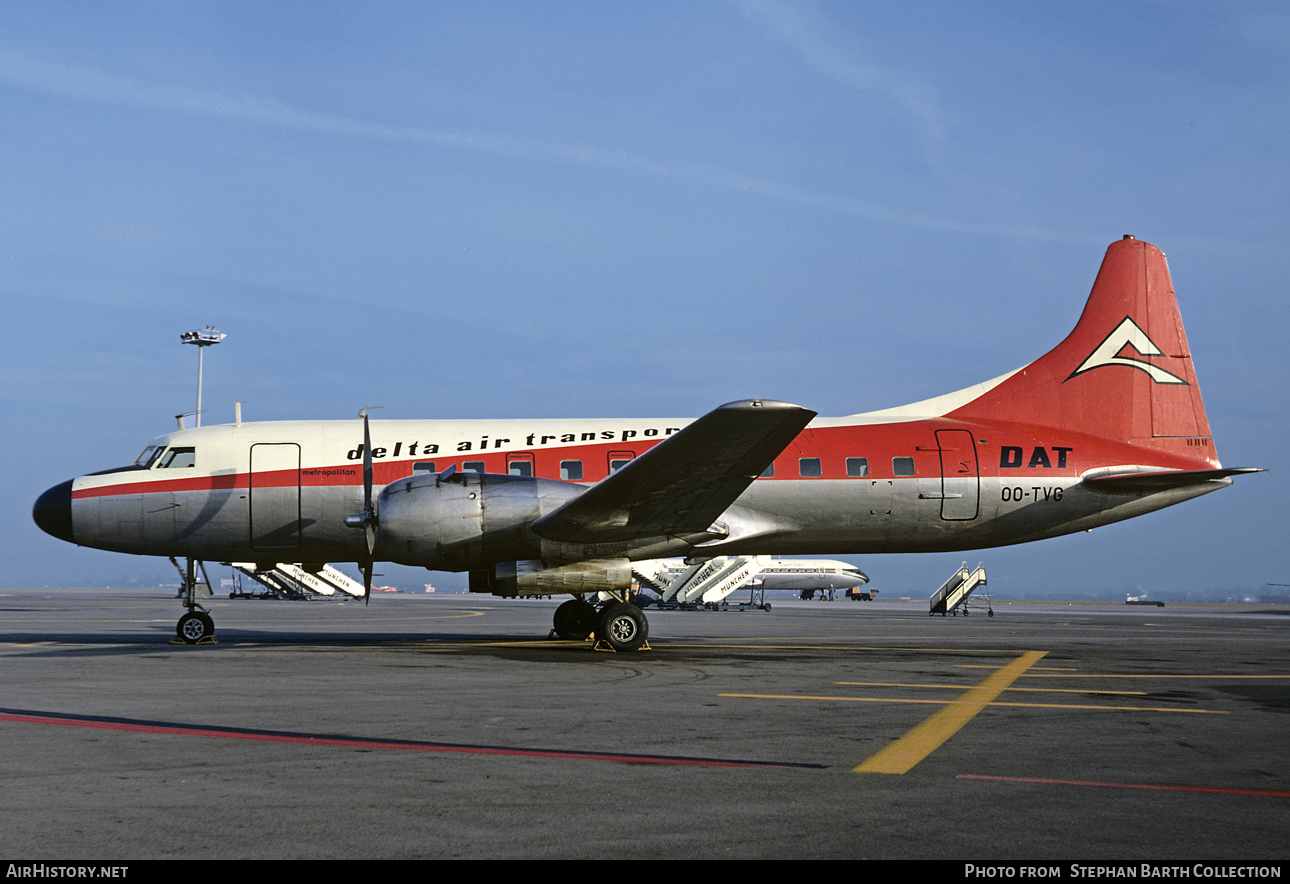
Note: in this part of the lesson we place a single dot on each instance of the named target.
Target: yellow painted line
(553, 644)
(1212, 675)
(926, 738)
(1049, 672)
(829, 645)
(956, 687)
(839, 699)
(1101, 707)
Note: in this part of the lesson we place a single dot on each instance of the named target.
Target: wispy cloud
(102, 87)
(810, 37)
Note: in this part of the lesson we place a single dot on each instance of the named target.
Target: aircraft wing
(683, 484)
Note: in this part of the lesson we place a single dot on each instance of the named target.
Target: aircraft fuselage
(279, 491)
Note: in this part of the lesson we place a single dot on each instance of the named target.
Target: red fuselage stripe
(1000, 452)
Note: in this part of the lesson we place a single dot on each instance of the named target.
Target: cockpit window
(149, 456)
(179, 457)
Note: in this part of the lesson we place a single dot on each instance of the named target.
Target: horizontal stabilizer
(682, 485)
(1160, 479)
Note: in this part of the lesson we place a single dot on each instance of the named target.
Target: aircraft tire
(195, 626)
(575, 620)
(622, 626)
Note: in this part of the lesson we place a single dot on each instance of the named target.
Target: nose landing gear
(196, 627)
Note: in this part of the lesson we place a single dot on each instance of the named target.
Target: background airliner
(1108, 425)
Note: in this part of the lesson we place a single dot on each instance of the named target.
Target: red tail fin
(1125, 372)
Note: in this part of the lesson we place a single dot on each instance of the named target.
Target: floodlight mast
(201, 338)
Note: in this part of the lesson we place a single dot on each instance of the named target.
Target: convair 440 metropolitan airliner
(1107, 426)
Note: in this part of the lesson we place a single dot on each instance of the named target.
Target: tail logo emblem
(1127, 333)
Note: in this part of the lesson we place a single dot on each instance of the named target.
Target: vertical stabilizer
(1124, 373)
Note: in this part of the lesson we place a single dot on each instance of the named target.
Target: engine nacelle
(464, 521)
(511, 579)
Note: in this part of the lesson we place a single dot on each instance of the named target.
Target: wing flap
(683, 484)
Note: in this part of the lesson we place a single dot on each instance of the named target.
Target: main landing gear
(618, 626)
(196, 627)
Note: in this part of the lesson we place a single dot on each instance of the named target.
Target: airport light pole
(201, 338)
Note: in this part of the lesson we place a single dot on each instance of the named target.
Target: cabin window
(520, 468)
(769, 472)
(809, 468)
(179, 457)
(425, 466)
(902, 466)
(571, 470)
(473, 466)
(618, 463)
(857, 467)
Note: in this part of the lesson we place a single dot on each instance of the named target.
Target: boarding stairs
(655, 574)
(287, 580)
(326, 581)
(955, 591)
(710, 582)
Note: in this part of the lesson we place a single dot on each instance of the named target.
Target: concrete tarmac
(450, 726)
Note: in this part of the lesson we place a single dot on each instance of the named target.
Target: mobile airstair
(710, 583)
(954, 593)
(654, 574)
(291, 581)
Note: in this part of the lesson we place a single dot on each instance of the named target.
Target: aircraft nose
(53, 511)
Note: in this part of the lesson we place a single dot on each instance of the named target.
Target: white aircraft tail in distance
(1106, 426)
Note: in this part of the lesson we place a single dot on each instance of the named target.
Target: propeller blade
(367, 468)
(367, 520)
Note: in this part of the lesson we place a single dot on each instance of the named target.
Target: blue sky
(516, 209)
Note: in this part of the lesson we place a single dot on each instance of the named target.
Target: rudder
(1124, 373)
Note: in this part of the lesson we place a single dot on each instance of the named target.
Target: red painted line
(1213, 790)
(122, 724)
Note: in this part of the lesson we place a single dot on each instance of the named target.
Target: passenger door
(960, 475)
(275, 496)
